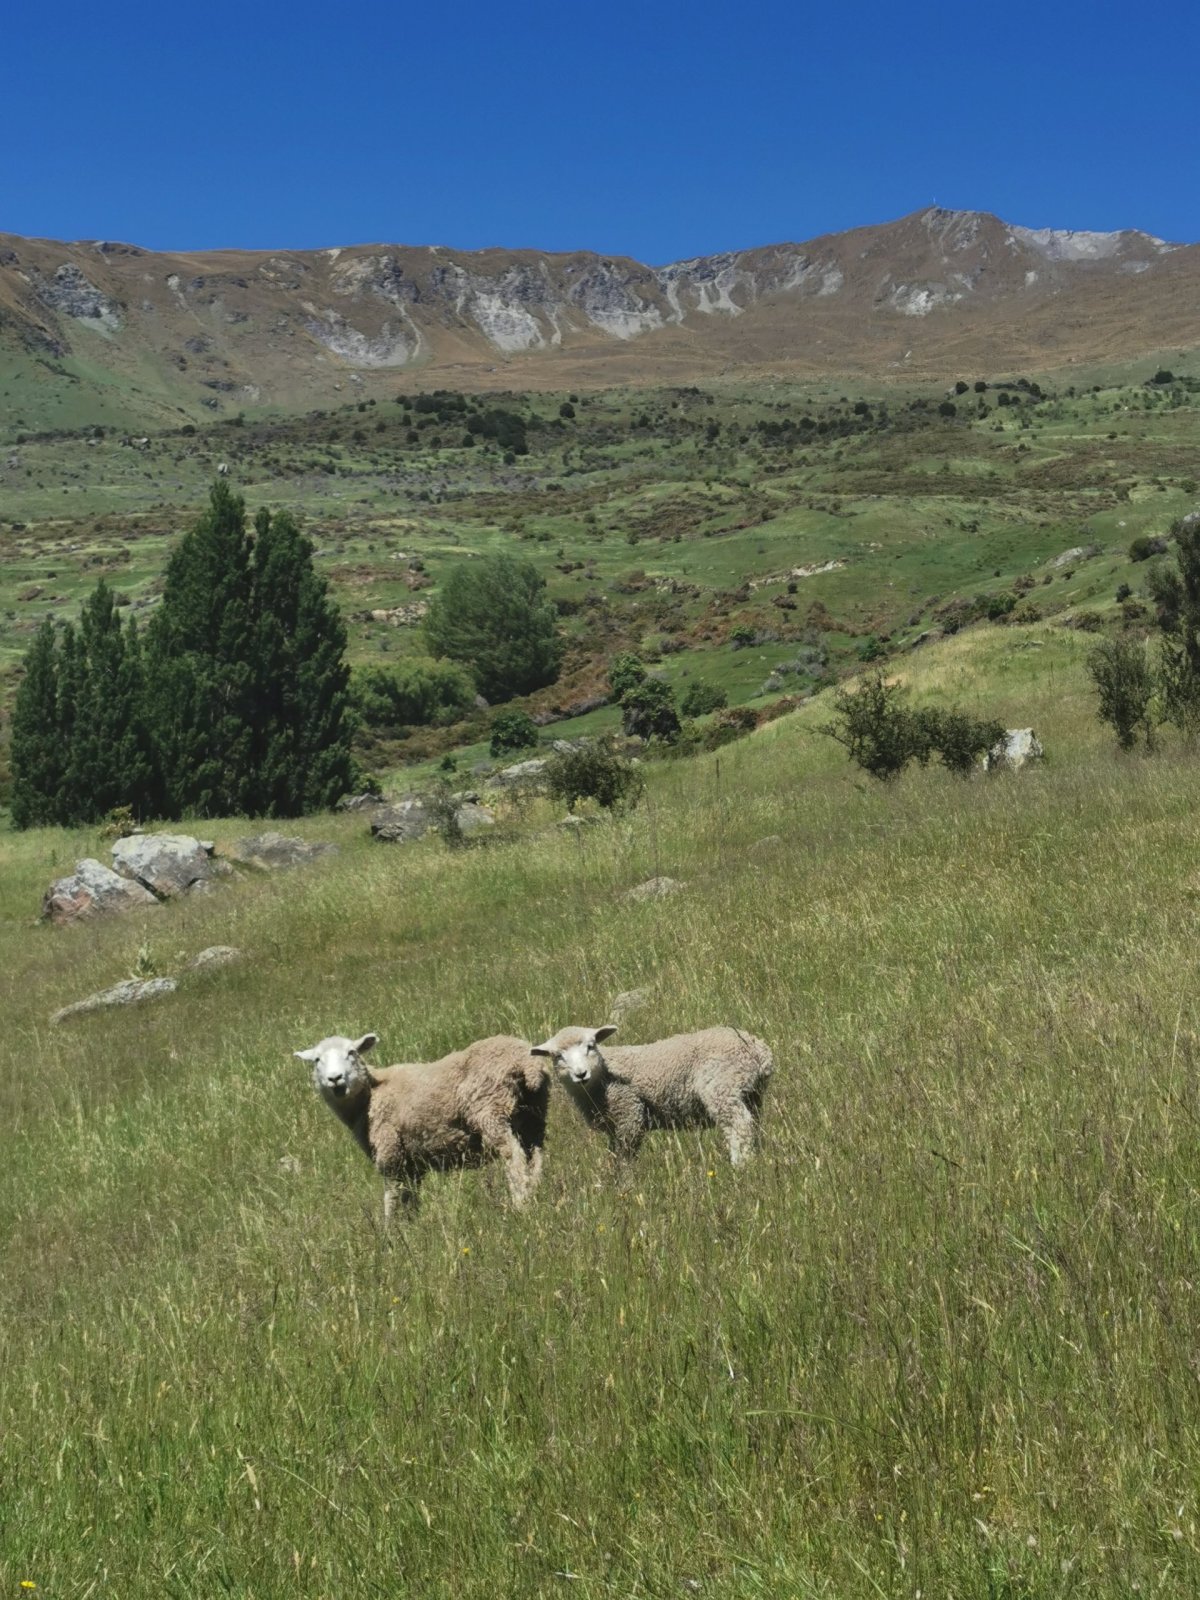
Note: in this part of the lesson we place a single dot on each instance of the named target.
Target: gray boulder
(273, 850)
(472, 817)
(132, 992)
(92, 890)
(412, 818)
(167, 863)
(530, 771)
(402, 822)
(1017, 749)
(654, 889)
(217, 955)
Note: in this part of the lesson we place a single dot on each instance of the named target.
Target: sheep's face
(339, 1071)
(575, 1054)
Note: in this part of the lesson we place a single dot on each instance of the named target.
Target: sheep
(716, 1077)
(487, 1102)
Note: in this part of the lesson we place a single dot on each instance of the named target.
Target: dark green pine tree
(74, 804)
(137, 757)
(302, 759)
(38, 756)
(494, 616)
(198, 663)
(95, 778)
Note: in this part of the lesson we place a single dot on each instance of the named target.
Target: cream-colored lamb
(485, 1103)
(715, 1078)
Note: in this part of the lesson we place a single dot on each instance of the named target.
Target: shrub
(493, 616)
(958, 739)
(594, 771)
(876, 729)
(741, 637)
(512, 730)
(1145, 546)
(1125, 682)
(625, 673)
(734, 723)
(882, 735)
(412, 694)
(648, 711)
(700, 698)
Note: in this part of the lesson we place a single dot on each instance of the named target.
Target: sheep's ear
(541, 1050)
(307, 1055)
(600, 1034)
(367, 1042)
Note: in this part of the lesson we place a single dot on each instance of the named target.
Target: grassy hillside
(662, 521)
(939, 1340)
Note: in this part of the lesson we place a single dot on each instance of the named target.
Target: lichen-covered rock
(132, 992)
(1017, 749)
(654, 889)
(217, 955)
(530, 771)
(412, 818)
(273, 850)
(92, 890)
(166, 863)
(402, 822)
(472, 816)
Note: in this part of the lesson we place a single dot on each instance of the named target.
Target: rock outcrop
(92, 890)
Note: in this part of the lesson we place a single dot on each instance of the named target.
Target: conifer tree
(494, 616)
(95, 778)
(237, 701)
(37, 751)
(302, 758)
(198, 649)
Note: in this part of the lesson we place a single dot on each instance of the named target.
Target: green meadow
(938, 1340)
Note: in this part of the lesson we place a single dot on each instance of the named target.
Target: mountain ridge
(926, 296)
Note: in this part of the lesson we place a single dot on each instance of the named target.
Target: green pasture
(937, 1340)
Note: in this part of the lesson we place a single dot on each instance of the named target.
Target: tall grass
(940, 1339)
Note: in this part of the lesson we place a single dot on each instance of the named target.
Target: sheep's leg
(398, 1196)
(500, 1138)
(533, 1169)
(739, 1129)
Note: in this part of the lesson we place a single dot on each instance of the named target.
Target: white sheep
(487, 1102)
(715, 1078)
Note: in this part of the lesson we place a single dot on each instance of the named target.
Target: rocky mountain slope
(935, 294)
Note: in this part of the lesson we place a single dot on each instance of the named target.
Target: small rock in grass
(654, 889)
(217, 955)
(132, 992)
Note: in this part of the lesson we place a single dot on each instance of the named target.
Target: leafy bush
(415, 693)
(875, 728)
(883, 735)
(734, 723)
(512, 730)
(493, 616)
(1125, 682)
(1145, 546)
(625, 673)
(594, 771)
(698, 699)
(959, 740)
(648, 711)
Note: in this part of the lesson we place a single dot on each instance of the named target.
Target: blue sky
(653, 131)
